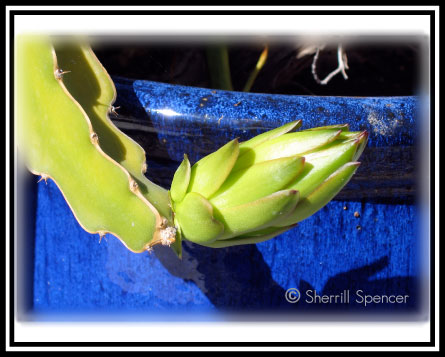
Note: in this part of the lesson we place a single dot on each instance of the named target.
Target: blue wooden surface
(327, 252)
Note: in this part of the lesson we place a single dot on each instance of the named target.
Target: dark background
(377, 67)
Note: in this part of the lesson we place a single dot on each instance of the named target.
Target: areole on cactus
(243, 193)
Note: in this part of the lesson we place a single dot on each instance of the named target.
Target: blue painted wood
(330, 252)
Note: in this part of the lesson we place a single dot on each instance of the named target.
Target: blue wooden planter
(330, 252)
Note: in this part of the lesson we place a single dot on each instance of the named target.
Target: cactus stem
(134, 187)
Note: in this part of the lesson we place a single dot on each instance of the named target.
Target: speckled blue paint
(326, 252)
(184, 115)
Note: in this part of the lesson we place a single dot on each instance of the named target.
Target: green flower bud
(248, 192)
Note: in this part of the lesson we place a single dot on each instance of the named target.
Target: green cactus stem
(92, 87)
(56, 137)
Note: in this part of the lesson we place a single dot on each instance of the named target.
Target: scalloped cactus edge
(58, 141)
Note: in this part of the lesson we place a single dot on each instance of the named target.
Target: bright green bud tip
(289, 144)
(245, 193)
(268, 135)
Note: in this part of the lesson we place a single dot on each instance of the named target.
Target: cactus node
(133, 186)
(60, 72)
(94, 138)
(168, 235)
(101, 235)
(113, 110)
(43, 177)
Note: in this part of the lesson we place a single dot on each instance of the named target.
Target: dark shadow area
(378, 66)
(26, 212)
(357, 291)
(238, 280)
(235, 279)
